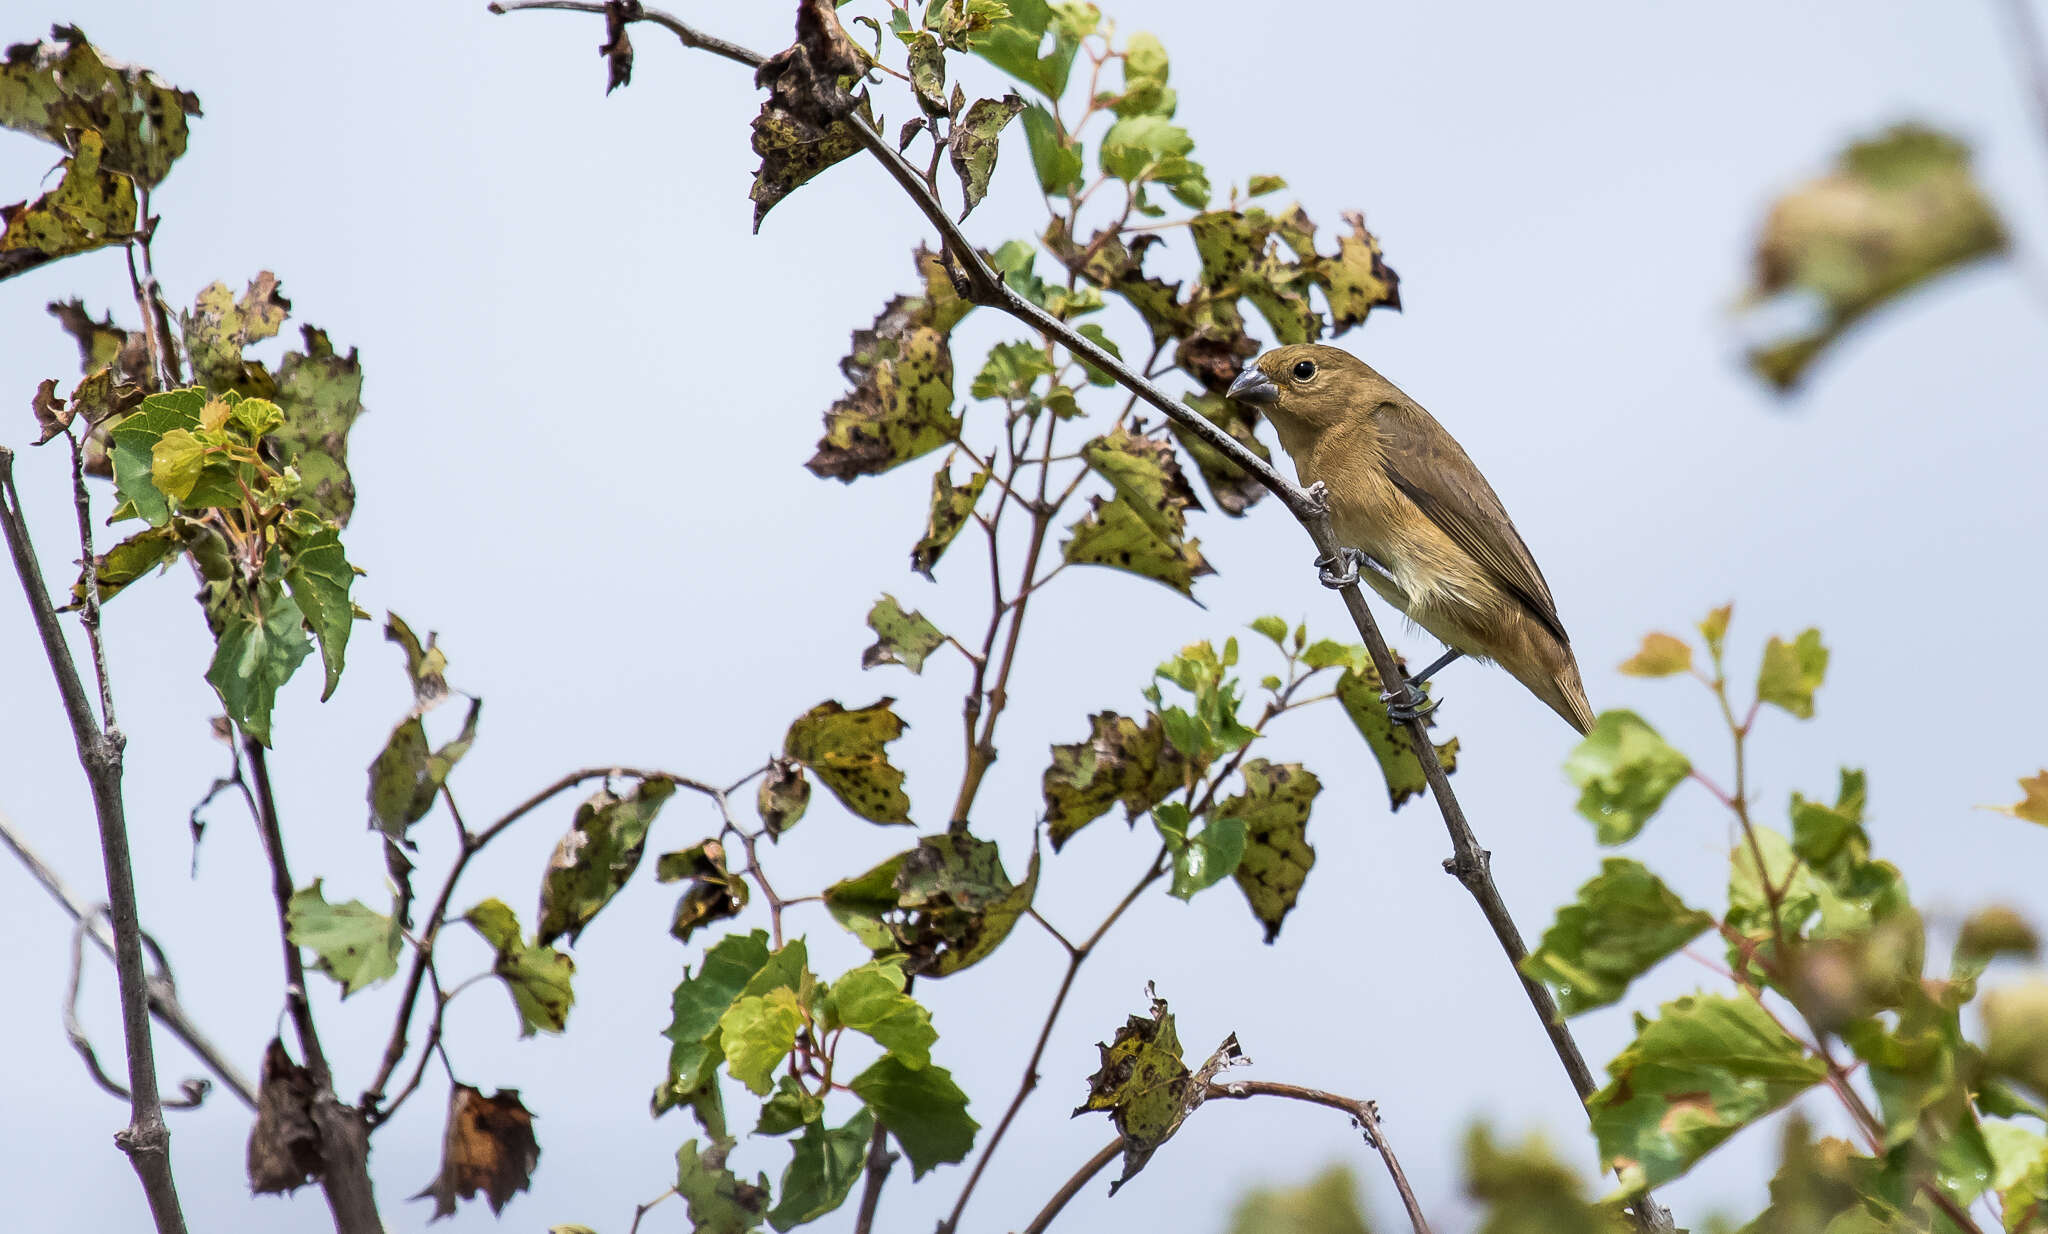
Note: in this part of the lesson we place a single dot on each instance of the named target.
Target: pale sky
(591, 393)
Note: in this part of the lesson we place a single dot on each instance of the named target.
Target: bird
(1419, 522)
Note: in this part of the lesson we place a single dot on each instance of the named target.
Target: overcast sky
(591, 394)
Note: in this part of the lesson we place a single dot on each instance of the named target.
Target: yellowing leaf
(91, 206)
(1274, 807)
(538, 977)
(1144, 1084)
(2032, 806)
(973, 142)
(1118, 762)
(1661, 656)
(901, 368)
(1117, 535)
(1791, 672)
(844, 749)
(58, 89)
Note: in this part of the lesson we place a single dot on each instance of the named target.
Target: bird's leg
(1409, 703)
(1442, 661)
(1341, 569)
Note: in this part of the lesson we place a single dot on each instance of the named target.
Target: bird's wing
(1431, 468)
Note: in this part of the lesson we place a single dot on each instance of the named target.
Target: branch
(1364, 1113)
(880, 1159)
(979, 283)
(2033, 55)
(146, 1140)
(1072, 1187)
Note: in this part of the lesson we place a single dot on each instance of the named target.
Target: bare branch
(1364, 1113)
(880, 1159)
(194, 1089)
(1072, 1187)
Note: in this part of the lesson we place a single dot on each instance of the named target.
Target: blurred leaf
(219, 328)
(699, 1003)
(1201, 860)
(488, 1147)
(1992, 932)
(950, 508)
(1393, 746)
(844, 749)
(922, 1107)
(942, 906)
(1625, 922)
(319, 577)
(321, 394)
(425, 663)
(2016, 1034)
(261, 642)
(92, 206)
(823, 1167)
(1896, 211)
(900, 637)
(1706, 1068)
(1328, 1204)
(717, 1201)
(1116, 534)
(2032, 806)
(1526, 1190)
(1624, 770)
(1149, 147)
(1213, 728)
(715, 892)
(901, 368)
(871, 1000)
(1809, 905)
(537, 976)
(783, 797)
(928, 73)
(1831, 839)
(1661, 656)
(58, 89)
(1274, 807)
(284, 1145)
(972, 145)
(2020, 1174)
(1118, 762)
(350, 942)
(1791, 672)
(1818, 1182)
(1714, 629)
(406, 776)
(597, 856)
(1233, 488)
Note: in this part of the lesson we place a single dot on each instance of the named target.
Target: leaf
(1234, 489)
(1661, 656)
(350, 942)
(55, 90)
(1791, 672)
(1144, 1084)
(1703, 1070)
(783, 797)
(1817, 1182)
(92, 206)
(537, 976)
(823, 1167)
(1714, 629)
(1393, 746)
(1897, 211)
(1526, 1190)
(802, 129)
(1053, 157)
(1012, 44)
(1202, 860)
(757, 1033)
(129, 560)
(1117, 535)
(1274, 807)
(321, 395)
(406, 776)
(928, 73)
(950, 508)
(1357, 280)
(1625, 922)
(717, 1201)
(972, 145)
(2032, 807)
(488, 1147)
(790, 1108)
(1328, 1204)
(1147, 476)
(319, 577)
(1624, 770)
(900, 637)
(597, 856)
(1831, 839)
(1118, 762)
(844, 749)
(425, 663)
(284, 1145)
(922, 1107)
(1150, 147)
(219, 328)
(698, 1005)
(2016, 1034)
(871, 999)
(901, 406)
(943, 906)
(715, 892)
(261, 643)
(133, 441)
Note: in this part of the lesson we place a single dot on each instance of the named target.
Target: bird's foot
(1340, 569)
(1407, 703)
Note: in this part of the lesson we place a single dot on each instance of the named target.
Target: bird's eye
(1304, 370)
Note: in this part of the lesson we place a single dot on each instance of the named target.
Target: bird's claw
(1340, 569)
(1407, 703)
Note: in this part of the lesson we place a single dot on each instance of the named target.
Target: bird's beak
(1254, 387)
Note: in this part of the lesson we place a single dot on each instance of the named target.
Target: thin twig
(880, 1159)
(641, 1210)
(146, 1140)
(195, 1089)
(1364, 1113)
(1072, 1187)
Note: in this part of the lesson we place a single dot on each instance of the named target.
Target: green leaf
(950, 508)
(1328, 1204)
(1199, 861)
(425, 664)
(784, 795)
(598, 854)
(537, 976)
(1259, 186)
(1661, 656)
(1145, 74)
(1057, 162)
(319, 577)
(1819, 1181)
(1526, 1190)
(350, 942)
(900, 637)
(973, 142)
(1274, 807)
(1831, 839)
(823, 1167)
(1117, 535)
(219, 328)
(717, 1200)
(134, 441)
(699, 1004)
(2020, 1173)
(1624, 770)
(901, 406)
(942, 906)
(1012, 44)
(1273, 628)
(1144, 1084)
(1392, 745)
(757, 1033)
(922, 1107)
(1897, 211)
(321, 394)
(845, 750)
(261, 643)
(1118, 762)
(1625, 922)
(1791, 672)
(791, 1107)
(1146, 475)
(54, 90)
(1213, 728)
(1010, 372)
(92, 206)
(1706, 1068)
(406, 776)
(715, 892)
(870, 999)
(928, 73)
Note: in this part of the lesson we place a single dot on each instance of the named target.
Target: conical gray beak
(1254, 388)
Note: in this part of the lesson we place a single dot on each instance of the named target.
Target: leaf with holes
(57, 89)
(943, 906)
(1118, 762)
(91, 207)
(973, 142)
(845, 750)
(1274, 807)
(352, 943)
(714, 894)
(1144, 1084)
(901, 367)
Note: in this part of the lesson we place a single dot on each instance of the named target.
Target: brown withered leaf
(52, 417)
(901, 406)
(784, 795)
(101, 343)
(617, 48)
(802, 127)
(284, 1145)
(714, 894)
(488, 1147)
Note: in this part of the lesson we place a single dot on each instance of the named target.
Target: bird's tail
(1566, 695)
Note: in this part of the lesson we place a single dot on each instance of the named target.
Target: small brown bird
(1435, 541)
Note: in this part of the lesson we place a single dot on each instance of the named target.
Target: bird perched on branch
(1420, 524)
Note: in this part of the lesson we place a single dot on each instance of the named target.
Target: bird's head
(1308, 386)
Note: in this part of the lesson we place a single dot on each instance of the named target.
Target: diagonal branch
(978, 282)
